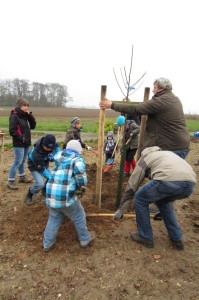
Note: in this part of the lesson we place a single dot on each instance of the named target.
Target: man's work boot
(178, 244)
(24, 179)
(11, 185)
(28, 198)
(138, 239)
(197, 163)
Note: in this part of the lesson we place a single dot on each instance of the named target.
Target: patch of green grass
(4, 122)
(89, 125)
(60, 124)
(7, 145)
(193, 125)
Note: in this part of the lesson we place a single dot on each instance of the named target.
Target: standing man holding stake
(165, 126)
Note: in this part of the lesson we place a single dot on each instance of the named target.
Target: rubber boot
(127, 167)
(197, 163)
(28, 198)
(133, 164)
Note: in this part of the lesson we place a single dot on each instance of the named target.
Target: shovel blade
(109, 161)
(108, 167)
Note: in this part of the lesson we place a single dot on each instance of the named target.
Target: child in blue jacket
(63, 191)
(38, 163)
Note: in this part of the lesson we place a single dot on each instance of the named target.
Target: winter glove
(81, 191)
(46, 173)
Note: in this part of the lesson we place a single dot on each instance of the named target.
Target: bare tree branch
(123, 79)
(139, 79)
(118, 83)
(127, 79)
(130, 66)
(136, 89)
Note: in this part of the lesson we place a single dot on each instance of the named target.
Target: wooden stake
(2, 135)
(100, 149)
(142, 125)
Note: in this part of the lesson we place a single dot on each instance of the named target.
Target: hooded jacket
(165, 126)
(73, 133)
(160, 165)
(68, 175)
(20, 124)
(38, 158)
(131, 135)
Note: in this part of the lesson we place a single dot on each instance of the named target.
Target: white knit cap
(74, 145)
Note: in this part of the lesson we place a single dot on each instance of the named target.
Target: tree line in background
(37, 94)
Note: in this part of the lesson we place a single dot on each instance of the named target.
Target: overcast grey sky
(78, 42)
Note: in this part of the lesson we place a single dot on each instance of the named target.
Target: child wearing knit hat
(74, 133)
(39, 158)
(64, 189)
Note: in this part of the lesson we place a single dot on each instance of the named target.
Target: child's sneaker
(85, 244)
(49, 248)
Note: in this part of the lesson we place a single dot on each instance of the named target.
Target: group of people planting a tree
(166, 144)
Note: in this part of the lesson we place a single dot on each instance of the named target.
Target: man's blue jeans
(74, 212)
(162, 193)
(39, 183)
(20, 155)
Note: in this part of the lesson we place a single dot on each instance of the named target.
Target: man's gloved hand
(81, 191)
(88, 147)
(118, 215)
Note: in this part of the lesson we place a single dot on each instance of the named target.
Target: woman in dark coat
(20, 123)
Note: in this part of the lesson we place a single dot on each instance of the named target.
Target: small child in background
(38, 164)
(109, 146)
(131, 140)
(74, 133)
(63, 192)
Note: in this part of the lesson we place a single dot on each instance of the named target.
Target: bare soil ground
(113, 267)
